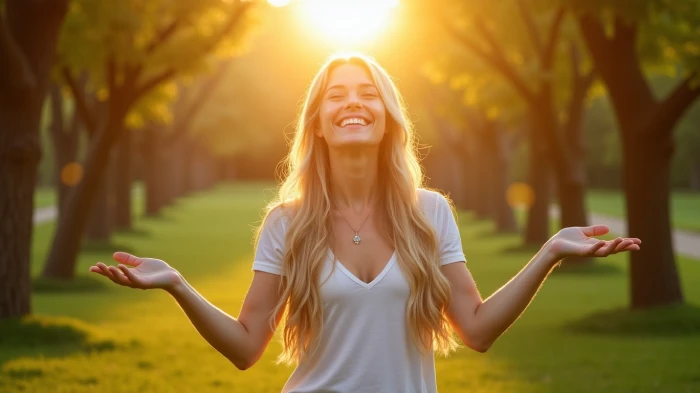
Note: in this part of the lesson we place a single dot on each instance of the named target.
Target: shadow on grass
(81, 283)
(666, 321)
(53, 337)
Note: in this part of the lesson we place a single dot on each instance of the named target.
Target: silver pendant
(356, 239)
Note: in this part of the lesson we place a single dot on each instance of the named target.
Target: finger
(595, 230)
(609, 247)
(632, 247)
(595, 247)
(120, 277)
(135, 280)
(105, 271)
(126, 258)
(623, 245)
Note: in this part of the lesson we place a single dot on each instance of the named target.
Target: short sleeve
(269, 251)
(450, 242)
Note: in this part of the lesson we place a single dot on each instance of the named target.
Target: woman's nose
(354, 102)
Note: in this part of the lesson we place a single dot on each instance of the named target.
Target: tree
(539, 35)
(26, 55)
(623, 41)
(135, 48)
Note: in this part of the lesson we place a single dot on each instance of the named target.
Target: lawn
(44, 196)
(141, 341)
(685, 207)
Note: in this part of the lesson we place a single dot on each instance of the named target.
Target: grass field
(140, 341)
(685, 207)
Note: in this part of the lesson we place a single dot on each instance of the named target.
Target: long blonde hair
(305, 191)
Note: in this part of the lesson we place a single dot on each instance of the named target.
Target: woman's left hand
(579, 242)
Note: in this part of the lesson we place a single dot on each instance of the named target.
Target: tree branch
(552, 38)
(530, 25)
(111, 69)
(16, 76)
(81, 105)
(502, 65)
(162, 36)
(203, 94)
(238, 13)
(672, 108)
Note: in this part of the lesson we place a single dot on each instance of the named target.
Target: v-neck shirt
(365, 344)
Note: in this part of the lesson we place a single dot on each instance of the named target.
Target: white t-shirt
(365, 344)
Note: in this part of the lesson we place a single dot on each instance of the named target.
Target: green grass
(127, 340)
(685, 207)
(44, 196)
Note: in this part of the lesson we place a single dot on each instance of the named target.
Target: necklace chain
(356, 239)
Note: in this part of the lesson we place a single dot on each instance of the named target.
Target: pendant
(356, 239)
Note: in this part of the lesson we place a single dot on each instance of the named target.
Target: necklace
(356, 239)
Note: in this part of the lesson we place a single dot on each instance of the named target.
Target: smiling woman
(349, 22)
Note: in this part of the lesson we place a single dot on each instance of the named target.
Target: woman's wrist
(548, 255)
(177, 286)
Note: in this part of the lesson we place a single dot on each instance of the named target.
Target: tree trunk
(568, 166)
(485, 187)
(65, 141)
(646, 126)
(153, 171)
(123, 179)
(67, 238)
(505, 219)
(26, 55)
(654, 277)
(101, 219)
(537, 227)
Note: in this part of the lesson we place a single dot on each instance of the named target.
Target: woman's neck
(354, 178)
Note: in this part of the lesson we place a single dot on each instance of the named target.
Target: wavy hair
(305, 191)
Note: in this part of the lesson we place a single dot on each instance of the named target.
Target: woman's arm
(241, 340)
(479, 323)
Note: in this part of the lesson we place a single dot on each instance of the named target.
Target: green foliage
(152, 37)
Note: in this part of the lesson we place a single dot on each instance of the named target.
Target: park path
(684, 242)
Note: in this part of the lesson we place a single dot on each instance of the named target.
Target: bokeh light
(71, 174)
(520, 195)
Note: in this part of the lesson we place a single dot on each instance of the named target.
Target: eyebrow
(343, 86)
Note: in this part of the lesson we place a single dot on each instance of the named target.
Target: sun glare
(348, 21)
(278, 3)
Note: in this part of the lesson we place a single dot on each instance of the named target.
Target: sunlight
(349, 22)
(278, 3)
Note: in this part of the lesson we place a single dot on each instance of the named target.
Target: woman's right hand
(143, 273)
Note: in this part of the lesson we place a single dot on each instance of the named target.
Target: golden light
(71, 174)
(347, 21)
(278, 3)
(520, 195)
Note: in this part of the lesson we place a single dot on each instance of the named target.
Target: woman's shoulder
(430, 196)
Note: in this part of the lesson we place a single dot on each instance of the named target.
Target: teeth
(353, 120)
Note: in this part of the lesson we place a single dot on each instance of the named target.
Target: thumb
(126, 258)
(595, 230)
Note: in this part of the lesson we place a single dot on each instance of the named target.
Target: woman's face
(352, 112)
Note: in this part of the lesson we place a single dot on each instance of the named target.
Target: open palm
(134, 272)
(580, 241)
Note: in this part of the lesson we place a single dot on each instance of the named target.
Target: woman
(363, 265)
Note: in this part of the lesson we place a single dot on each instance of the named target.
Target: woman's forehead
(346, 75)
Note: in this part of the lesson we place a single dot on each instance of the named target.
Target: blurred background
(158, 127)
